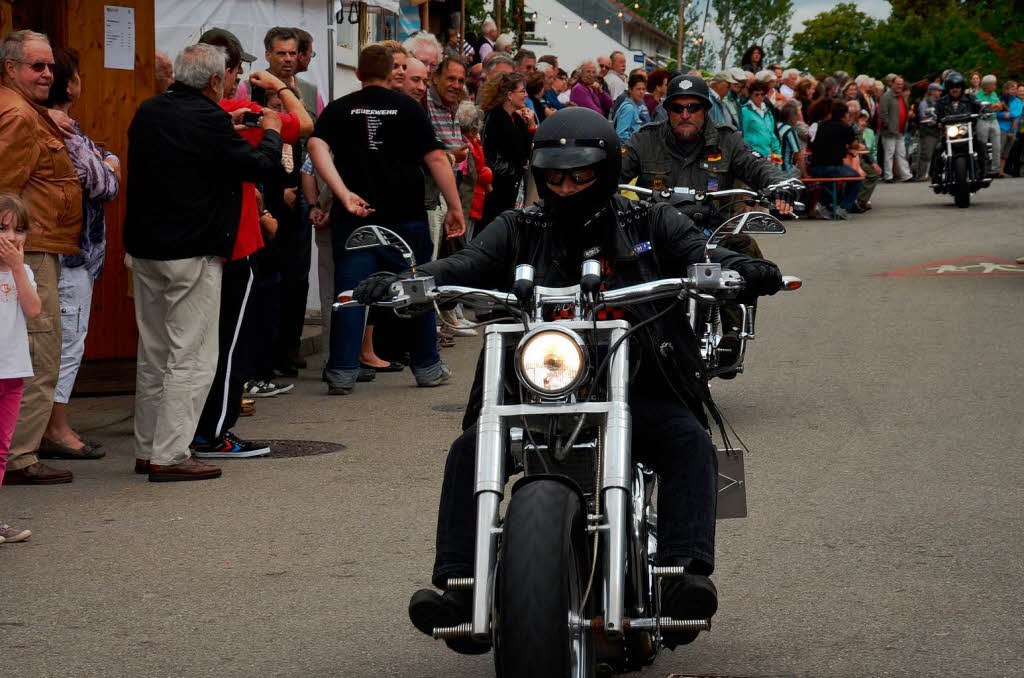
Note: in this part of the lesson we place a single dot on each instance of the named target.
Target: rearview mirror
(760, 223)
(370, 237)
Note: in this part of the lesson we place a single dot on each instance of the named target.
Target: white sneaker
(459, 331)
(266, 389)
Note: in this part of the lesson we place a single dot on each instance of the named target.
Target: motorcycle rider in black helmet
(956, 100)
(576, 161)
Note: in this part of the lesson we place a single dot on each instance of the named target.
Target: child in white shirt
(18, 302)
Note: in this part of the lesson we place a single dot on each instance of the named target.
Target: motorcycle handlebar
(730, 282)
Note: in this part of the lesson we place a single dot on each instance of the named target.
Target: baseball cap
(220, 32)
(738, 74)
(724, 76)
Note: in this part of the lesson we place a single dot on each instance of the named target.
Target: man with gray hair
(175, 242)
(426, 48)
(616, 78)
(490, 31)
(790, 77)
(497, 64)
(988, 126)
(37, 168)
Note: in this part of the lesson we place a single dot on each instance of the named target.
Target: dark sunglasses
(579, 175)
(38, 66)
(690, 108)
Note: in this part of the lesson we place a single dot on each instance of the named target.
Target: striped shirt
(442, 118)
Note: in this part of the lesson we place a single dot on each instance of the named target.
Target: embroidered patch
(714, 157)
(592, 252)
(712, 185)
(685, 84)
(642, 247)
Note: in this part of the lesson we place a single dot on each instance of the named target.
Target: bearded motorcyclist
(689, 149)
(576, 162)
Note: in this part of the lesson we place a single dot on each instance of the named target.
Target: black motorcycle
(960, 166)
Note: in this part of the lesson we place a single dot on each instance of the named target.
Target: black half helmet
(955, 79)
(577, 137)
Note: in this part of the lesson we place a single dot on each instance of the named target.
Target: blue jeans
(847, 190)
(350, 268)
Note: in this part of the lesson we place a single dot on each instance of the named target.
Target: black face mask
(578, 209)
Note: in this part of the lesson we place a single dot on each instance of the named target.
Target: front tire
(543, 574)
(961, 184)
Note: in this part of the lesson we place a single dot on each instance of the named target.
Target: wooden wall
(109, 100)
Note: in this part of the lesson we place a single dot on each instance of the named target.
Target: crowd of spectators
(434, 144)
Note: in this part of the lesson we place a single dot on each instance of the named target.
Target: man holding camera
(176, 242)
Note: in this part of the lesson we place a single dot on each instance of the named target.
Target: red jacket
(250, 238)
(484, 177)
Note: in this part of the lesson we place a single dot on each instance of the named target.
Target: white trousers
(895, 156)
(75, 292)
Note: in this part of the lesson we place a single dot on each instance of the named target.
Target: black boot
(429, 610)
(692, 597)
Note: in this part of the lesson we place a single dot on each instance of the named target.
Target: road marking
(972, 265)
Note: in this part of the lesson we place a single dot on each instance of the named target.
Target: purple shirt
(582, 95)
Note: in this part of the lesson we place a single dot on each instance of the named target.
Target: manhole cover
(300, 448)
(449, 408)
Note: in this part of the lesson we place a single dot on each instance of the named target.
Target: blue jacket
(630, 117)
(759, 132)
(551, 99)
(1009, 121)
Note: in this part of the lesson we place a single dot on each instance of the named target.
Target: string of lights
(540, 20)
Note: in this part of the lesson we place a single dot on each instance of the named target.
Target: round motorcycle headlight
(952, 131)
(551, 362)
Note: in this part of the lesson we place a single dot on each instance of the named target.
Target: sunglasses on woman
(690, 108)
(579, 175)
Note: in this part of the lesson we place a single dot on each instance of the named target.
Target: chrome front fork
(489, 489)
(616, 482)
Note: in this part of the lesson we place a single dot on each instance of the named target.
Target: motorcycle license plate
(732, 484)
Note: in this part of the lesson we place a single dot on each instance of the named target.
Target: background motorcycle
(564, 582)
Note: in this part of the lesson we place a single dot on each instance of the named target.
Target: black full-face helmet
(955, 79)
(576, 138)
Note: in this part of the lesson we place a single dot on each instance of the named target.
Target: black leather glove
(762, 278)
(784, 193)
(376, 287)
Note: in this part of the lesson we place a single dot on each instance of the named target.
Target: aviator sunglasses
(690, 108)
(37, 66)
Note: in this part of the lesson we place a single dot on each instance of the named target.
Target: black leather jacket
(641, 242)
(946, 106)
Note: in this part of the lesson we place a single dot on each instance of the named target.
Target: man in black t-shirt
(828, 150)
(379, 139)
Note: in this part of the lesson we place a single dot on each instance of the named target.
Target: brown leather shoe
(38, 474)
(142, 466)
(193, 469)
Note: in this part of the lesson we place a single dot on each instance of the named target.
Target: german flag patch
(714, 157)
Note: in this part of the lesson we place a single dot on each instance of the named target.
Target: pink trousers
(10, 403)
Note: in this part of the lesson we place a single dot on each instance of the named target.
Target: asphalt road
(883, 415)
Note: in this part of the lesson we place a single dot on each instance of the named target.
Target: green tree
(835, 40)
(746, 22)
